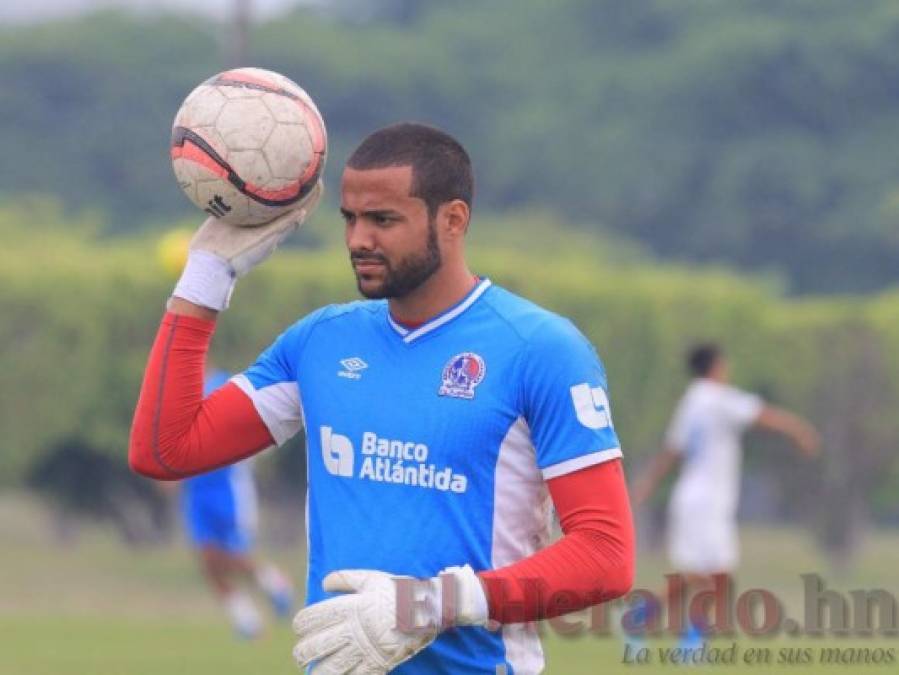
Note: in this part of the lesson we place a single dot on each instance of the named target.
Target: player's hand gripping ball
(248, 145)
(241, 247)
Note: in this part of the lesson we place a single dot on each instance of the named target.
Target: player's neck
(447, 287)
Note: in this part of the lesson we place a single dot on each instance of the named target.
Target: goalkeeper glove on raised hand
(220, 253)
(383, 620)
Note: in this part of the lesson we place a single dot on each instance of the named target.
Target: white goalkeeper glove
(220, 253)
(384, 619)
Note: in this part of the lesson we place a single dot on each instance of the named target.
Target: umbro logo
(352, 368)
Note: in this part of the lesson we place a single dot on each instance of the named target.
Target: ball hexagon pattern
(248, 145)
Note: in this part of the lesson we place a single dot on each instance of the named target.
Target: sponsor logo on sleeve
(592, 406)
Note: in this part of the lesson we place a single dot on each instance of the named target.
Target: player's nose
(360, 236)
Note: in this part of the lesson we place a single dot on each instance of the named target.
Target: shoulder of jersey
(356, 310)
(529, 320)
(359, 310)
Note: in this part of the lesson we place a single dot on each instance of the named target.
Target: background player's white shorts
(701, 542)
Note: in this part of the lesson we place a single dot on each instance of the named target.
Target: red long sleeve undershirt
(593, 561)
(176, 433)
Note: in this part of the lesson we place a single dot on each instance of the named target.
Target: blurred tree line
(760, 133)
(80, 312)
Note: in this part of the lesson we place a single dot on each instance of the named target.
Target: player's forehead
(368, 189)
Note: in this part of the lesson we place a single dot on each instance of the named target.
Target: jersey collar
(441, 319)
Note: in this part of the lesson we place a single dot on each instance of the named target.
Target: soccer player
(704, 436)
(444, 416)
(220, 515)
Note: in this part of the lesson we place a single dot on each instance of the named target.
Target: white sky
(23, 11)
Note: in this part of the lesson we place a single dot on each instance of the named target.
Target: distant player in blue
(220, 517)
(444, 415)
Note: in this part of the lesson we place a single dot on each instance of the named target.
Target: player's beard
(406, 274)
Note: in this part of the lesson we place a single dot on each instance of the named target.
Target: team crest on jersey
(462, 374)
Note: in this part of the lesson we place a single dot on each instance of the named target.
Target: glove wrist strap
(468, 597)
(207, 280)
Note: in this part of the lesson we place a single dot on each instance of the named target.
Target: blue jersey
(219, 507)
(431, 447)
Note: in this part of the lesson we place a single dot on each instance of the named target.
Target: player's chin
(371, 286)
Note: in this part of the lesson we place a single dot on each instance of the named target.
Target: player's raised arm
(175, 433)
(798, 430)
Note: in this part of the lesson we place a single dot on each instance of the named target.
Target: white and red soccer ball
(247, 145)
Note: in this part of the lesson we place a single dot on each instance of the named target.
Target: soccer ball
(247, 145)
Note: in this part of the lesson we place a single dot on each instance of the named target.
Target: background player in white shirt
(704, 437)
(444, 416)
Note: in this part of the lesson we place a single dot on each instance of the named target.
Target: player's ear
(455, 215)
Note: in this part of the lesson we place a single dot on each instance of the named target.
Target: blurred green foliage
(759, 133)
(80, 310)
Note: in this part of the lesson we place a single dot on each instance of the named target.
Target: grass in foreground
(97, 608)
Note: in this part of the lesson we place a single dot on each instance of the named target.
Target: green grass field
(94, 607)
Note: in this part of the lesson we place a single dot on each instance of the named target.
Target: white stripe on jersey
(581, 462)
(424, 329)
(402, 330)
(521, 526)
(245, 502)
(277, 404)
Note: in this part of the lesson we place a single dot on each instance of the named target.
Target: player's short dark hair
(701, 358)
(441, 168)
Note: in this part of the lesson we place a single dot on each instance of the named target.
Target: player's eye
(348, 217)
